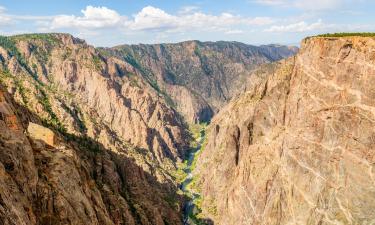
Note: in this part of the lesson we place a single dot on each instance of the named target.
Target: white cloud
(298, 27)
(188, 9)
(309, 5)
(318, 4)
(4, 19)
(234, 32)
(93, 17)
(2, 9)
(151, 18)
(271, 2)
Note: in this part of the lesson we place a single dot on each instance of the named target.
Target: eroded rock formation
(298, 146)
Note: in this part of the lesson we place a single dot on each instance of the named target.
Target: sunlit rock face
(298, 147)
(200, 77)
(41, 133)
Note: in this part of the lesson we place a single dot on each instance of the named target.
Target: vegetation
(180, 174)
(53, 120)
(76, 114)
(10, 45)
(133, 80)
(48, 38)
(347, 35)
(22, 90)
(84, 142)
(172, 200)
(128, 57)
(67, 53)
(97, 62)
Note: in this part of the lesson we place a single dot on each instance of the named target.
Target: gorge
(189, 133)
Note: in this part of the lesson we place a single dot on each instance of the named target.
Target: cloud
(308, 5)
(93, 17)
(154, 19)
(188, 9)
(4, 19)
(151, 18)
(298, 27)
(271, 2)
(234, 32)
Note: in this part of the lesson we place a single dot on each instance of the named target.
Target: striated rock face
(200, 77)
(118, 140)
(298, 146)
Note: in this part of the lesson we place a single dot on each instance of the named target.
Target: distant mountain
(199, 77)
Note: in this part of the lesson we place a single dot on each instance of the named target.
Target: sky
(108, 23)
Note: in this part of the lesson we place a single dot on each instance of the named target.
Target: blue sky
(109, 23)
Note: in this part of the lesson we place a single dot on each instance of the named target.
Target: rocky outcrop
(298, 146)
(118, 140)
(41, 133)
(200, 77)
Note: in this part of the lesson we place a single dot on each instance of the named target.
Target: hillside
(120, 142)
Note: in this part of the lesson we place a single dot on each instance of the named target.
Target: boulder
(41, 133)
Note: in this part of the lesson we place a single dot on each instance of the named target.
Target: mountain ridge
(200, 77)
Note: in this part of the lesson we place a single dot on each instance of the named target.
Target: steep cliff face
(70, 84)
(65, 182)
(200, 77)
(298, 146)
(102, 104)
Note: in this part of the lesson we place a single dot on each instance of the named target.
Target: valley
(191, 208)
(191, 133)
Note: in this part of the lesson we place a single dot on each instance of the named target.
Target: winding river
(189, 205)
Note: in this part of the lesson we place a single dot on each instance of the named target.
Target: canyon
(189, 133)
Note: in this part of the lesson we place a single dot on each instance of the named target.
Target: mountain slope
(298, 146)
(68, 181)
(133, 138)
(200, 77)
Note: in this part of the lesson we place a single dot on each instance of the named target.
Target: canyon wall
(298, 146)
(119, 142)
(200, 77)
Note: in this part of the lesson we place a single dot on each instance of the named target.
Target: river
(189, 205)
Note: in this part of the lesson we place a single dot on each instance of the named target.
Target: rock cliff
(199, 77)
(118, 139)
(75, 181)
(298, 146)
